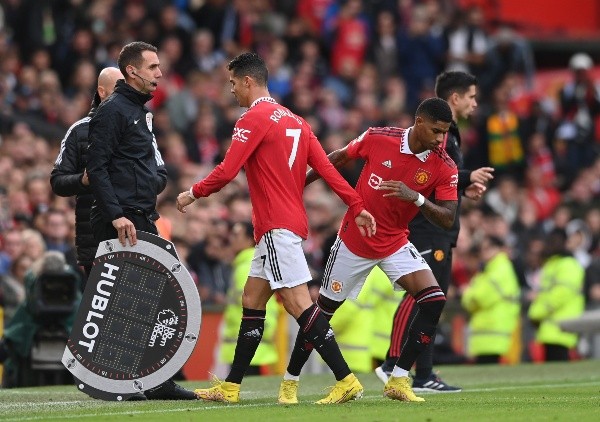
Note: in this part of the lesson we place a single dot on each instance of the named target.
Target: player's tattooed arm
(441, 213)
(338, 158)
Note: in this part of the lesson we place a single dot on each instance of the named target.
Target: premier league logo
(138, 321)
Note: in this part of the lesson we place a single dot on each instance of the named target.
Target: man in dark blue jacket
(125, 168)
(69, 176)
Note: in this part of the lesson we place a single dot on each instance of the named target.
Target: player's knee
(253, 301)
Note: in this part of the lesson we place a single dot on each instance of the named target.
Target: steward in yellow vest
(560, 297)
(492, 299)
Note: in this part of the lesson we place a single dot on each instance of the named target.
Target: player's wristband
(191, 193)
(420, 200)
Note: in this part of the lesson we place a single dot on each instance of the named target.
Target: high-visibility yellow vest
(493, 300)
(560, 297)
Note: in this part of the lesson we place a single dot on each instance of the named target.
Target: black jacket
(125, 168)
(420, 226)
(66, 181)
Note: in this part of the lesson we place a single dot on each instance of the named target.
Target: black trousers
(104, 230)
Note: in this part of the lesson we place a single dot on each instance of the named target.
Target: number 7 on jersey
(295, 134)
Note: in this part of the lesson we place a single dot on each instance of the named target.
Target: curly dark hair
(435, 109)
(250, 64)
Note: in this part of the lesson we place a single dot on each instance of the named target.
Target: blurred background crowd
(343, 65)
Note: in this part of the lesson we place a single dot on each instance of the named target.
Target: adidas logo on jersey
(254, 333)
(387, 163)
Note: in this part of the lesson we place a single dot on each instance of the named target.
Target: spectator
(508, 53)
(209, 261)
(421, 54)
(467, 42)
(503, 199)
(580, 107)
(12, 247)
(12, 287)
(499, 143)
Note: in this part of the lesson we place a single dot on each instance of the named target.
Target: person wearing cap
(580, 107)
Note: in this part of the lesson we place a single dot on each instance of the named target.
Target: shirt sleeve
(360, 146)
(248, 133)
(447, 189)
(318, 160)
(66, 176)
(106, 130)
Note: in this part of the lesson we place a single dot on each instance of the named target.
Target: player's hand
(125, 230)
(183, 200)
(399, 190)
(366, 223)
(475, 191)
(482, 175)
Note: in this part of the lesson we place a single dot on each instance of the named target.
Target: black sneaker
(137, 397)
(170, 391)
(433, 384)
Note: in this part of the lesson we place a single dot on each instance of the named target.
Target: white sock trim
(290, 377)
(399, 372)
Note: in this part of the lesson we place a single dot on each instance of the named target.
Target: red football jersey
(275, 146)
(388, 157)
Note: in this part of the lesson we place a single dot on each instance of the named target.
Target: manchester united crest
(422, 177)
(438, 255)
(336, 286)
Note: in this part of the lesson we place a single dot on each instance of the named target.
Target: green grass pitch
(528, 392)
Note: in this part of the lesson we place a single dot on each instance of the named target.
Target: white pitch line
(250, 405)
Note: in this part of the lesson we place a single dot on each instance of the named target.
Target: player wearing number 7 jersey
(275, 147)
(408, 165)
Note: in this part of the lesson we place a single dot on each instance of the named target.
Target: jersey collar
(405, 149)
(261, 99)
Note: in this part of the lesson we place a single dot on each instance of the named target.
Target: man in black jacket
(434, 243)
(69, 176)
(125, 168)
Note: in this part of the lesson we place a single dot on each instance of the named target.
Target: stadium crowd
(344, 66)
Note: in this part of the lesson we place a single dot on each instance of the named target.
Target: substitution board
(138, 321)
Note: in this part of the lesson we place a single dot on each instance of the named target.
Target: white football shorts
(345, 272)
(279, 258)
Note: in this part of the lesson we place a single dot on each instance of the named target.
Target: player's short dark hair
(450, 82)
(131, 54)
(250, 64)
(435, 109)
